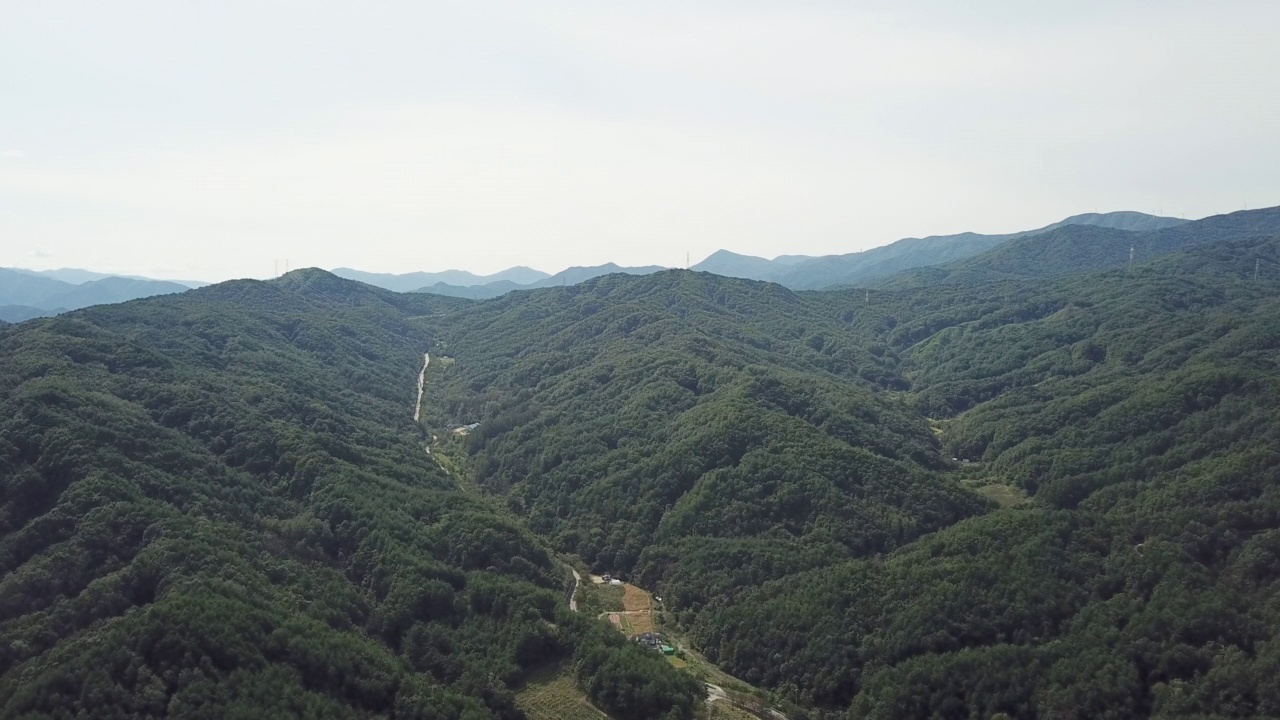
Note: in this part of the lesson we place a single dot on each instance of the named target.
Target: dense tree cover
(217, 505)
(1140, 410)
(638, 422)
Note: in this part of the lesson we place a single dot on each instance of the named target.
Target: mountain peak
(732, 264)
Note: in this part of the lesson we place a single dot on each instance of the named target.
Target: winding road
(573, 596)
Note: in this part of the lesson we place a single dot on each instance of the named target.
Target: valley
(1001, 488)
(550, 693)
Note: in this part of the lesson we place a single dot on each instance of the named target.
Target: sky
(216, 140)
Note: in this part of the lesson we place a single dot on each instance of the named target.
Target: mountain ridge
(1044, 496)
(1081, 248)
(410, 282)
(52, 296)
(568, 276)
(820, 272)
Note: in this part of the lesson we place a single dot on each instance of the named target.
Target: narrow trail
(422, 379)
(573, 596)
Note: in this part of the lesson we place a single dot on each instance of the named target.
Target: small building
(654, 641)
(615, 582)
(465, 429)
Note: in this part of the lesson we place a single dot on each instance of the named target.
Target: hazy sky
(206, 140)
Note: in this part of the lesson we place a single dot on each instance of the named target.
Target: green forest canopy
(217, 504)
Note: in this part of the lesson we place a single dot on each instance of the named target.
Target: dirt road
(422, 379)
(573, 596)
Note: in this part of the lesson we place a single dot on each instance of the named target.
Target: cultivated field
(637, 609)
(552, 695)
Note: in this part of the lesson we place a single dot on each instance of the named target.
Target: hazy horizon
(203, 143)
(281, 267)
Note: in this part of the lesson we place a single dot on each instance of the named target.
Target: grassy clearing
(634, 599)
(1006, 495)
(551, 694)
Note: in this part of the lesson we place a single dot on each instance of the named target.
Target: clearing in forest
(636, 616)
(551, 694)
(636, 600)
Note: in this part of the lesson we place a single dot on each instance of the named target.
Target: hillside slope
(1139, 411)
(219, 499)
(707, 435)
(216, 504)
(640, 421)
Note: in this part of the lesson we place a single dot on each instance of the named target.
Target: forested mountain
(1078, 248)
(217, 504)
(636, 421)
(860, 268)
(50, 296)
(1051, 496)
(1138, 410)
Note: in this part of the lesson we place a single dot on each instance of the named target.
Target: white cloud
(11, 154)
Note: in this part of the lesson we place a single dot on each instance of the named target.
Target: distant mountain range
(1071, 249)
(569, 276)
(1078, 243)
(460, 283)
(414, 281)
(799, 272)
(77, 276)
(26, 294)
